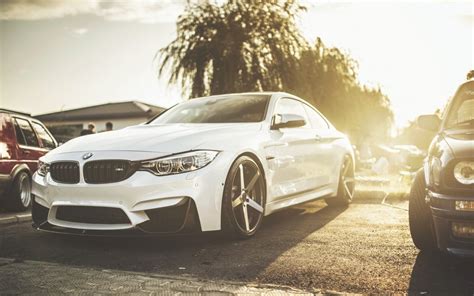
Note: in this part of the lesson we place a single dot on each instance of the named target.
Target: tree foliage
(240, 45)
(255, 45)
(327, 78)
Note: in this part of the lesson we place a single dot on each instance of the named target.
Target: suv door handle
(317, 138)
(26, 151)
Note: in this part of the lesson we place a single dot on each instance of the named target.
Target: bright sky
(66, 54)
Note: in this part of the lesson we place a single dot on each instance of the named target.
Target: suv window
(28, 133)
(290, 106)
(317, 121)
(3, 126)
(46, 139)
(462, 111)
(20, 138)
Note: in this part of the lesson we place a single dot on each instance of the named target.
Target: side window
(46, 139)
(317, 121)
(20, 138)
(290, 106)
(28, 132)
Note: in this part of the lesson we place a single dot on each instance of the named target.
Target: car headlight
(464, 172)
(43, 168)
(436, 170)
(179, 163)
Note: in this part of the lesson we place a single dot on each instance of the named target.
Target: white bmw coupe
(214, 163)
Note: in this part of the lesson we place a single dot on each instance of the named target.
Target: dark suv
(441, 208)
(22, 141)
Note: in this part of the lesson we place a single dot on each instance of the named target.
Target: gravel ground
(365, 248)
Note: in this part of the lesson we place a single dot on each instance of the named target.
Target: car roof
(257, 93)
(14, 112)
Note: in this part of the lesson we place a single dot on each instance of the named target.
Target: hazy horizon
(63, 55)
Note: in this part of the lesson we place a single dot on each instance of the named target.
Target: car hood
(461, 143)
(167, 138)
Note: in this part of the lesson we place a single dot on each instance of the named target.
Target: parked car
(441, 207)
(23, 140)
(214, 163)
(411, 157)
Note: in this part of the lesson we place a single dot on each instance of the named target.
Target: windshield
(242, 108)
(461, 113)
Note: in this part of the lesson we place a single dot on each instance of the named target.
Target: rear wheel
(419, 215)
(244, 198)
(19, 196)
(346, 188)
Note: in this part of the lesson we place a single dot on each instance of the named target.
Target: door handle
(317, 138)
(26, 152)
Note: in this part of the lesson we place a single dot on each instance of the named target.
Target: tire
(419, 216)
(18, 198)
(346, 187)
(243, 208)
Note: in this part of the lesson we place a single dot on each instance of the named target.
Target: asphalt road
(365, 248)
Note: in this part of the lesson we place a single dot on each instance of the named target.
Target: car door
(28, 144)
(291, 154)
(327, 155)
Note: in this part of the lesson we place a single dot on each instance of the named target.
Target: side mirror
(429, 122)
(287, 121)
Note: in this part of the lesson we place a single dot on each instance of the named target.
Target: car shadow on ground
(208, 255)
(442, 274)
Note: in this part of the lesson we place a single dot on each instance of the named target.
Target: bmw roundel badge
(87, 155)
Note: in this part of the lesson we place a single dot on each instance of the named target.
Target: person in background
(470, 75)
(90, 129)
(109, 126)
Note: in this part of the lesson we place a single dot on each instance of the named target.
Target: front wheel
(346, 187)
(419, 216)
(18, 199)
(244, 198)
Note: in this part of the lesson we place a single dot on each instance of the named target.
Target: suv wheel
(19, 196)
(419, 215)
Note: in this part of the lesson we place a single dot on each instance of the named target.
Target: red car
(23, 140)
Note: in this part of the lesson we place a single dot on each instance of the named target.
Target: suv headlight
(179, 163)
(464, 172)
(43, 168)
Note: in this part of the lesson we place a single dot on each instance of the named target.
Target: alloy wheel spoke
(254, 205)
(253, 181)
(345, 168)
(238, 201)
(242, 181)
(246, 216)
(349, 180)
(348, 191)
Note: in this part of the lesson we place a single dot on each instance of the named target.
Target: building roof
(130, 109)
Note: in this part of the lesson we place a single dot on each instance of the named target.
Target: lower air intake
(92, 215)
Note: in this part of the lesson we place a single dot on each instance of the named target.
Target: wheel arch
(17, 169)
(20, 168)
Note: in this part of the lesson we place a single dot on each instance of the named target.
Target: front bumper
(150, 204)
(184, 220)
(445, 216)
